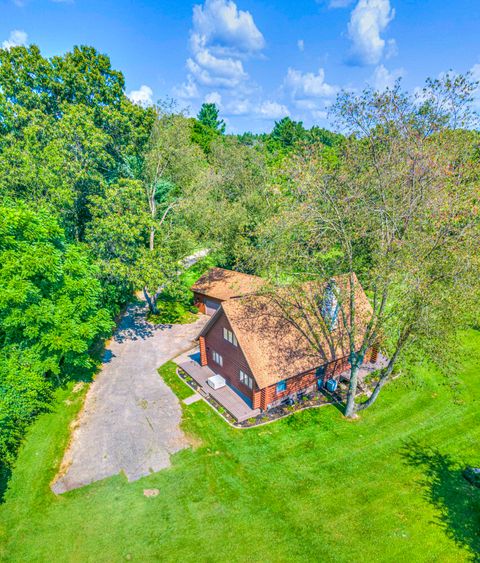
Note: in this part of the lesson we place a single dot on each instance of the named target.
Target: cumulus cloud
(309, 92)
(222, 36)
(143, 96)
(368, 20)
(272, 110)
(239, 106)
(214, 98)
(210, 70)
(220, 26)
(16, 38)
(382, 78)
(187, 90)
(308, 85)
(301, 45)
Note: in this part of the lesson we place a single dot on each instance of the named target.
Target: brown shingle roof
(272, 340)
(225, 284)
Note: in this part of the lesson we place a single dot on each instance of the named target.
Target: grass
(313, 486)
(173, 311)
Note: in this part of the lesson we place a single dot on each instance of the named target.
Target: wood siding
(199, 301)
(234, 360)
(305, 382)
(233, 357)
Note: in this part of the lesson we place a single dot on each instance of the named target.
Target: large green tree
(50, 316)
(67, 128)
(400, 210)
(172, 165)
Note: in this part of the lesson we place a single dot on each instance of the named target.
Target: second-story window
(228, 335)
(217, 358)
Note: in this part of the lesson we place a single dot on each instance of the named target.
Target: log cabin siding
(233, 357)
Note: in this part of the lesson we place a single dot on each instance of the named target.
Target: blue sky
(257, 60)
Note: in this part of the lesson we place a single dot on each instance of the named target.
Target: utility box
(331, 385)
(216, 381)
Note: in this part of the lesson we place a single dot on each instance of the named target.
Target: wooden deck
(225, 396)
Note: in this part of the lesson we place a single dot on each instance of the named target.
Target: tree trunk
(374, 395)
(151, 301)
(152, 238)
(352, 390)
(153, 212)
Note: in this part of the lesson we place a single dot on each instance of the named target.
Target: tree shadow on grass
(5, 474)
(457, 502)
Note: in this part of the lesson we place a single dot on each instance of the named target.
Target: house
(218, 285)
(263, 356)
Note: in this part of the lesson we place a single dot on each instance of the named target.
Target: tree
(401, 210)
(171, 166)
(208, 116)
(66, 131)
(288, 132)
(117, 234)
(51, 314)
(229, 200)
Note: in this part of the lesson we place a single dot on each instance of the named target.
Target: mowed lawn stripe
(310, 487)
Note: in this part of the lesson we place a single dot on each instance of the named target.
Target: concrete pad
(130, 420)
(192, 399)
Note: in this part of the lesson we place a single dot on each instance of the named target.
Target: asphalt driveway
(130, 420)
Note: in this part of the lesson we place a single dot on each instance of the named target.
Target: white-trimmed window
(246, 379)
(228, 335)
(217, 358)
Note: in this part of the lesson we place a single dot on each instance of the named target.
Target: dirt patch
(151, 492)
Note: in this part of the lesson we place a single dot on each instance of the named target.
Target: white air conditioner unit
(216, 381)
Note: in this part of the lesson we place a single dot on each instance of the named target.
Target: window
(246, 379)
(281, 386)
(228, 335)
(217, 358)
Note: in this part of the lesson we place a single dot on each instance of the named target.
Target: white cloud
(310, 93)
(219, 25)
(210, 70)
(187, 90)
(320, 114)
(143, 96)
(241, 106)
(272, 110)
(382, 78)
(16, 38)
(368, 21)
(308, 85)
(214, 98)
(301, 45)
(221, 38)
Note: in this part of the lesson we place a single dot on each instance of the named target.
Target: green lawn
(310, 487)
